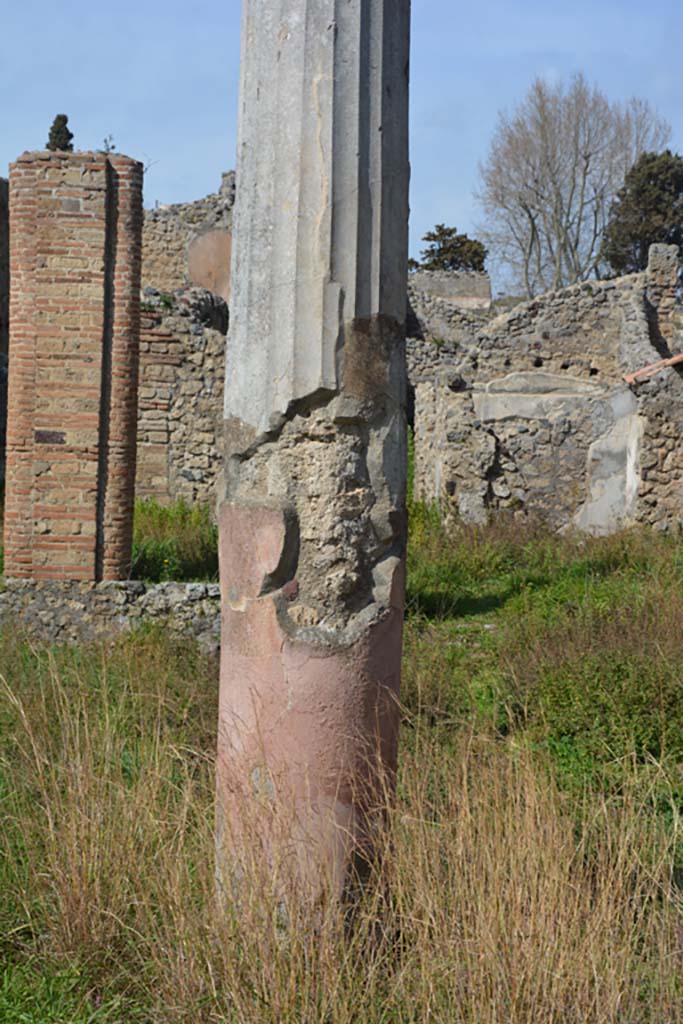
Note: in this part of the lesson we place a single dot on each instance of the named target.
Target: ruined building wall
(534, 415)
(180, 409)
(433, 318)
(72, 402)
(584, 334)
(190, 243)
(4, 315)
(660, 495)
(464, 289)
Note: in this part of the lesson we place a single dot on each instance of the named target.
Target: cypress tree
(447, 250)
(60, 136)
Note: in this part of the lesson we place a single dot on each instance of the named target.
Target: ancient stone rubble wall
(4, 315)
(462, 289)
(533, 415)
(189, 243)
(72, 399)
(180, 409)
(182, 356)
(74, 612)
(432, 317)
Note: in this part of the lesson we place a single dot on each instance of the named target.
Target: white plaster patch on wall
(613, 466)
(531, 396)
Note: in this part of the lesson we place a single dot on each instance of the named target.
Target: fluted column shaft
(313, 522)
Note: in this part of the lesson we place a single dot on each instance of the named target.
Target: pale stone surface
(614, 471)
(321, 196)
(530, 396)
(313, 528)
(463, 289)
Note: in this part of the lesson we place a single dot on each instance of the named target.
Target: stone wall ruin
(588, 336)
(180, 404)
(463, 289)
(533, 415)
(189, 244)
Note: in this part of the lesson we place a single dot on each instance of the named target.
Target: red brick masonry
(75, 250)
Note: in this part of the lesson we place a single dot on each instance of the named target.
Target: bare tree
(553, 169)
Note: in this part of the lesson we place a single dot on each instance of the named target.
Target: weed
(174, 542)
(533, 854)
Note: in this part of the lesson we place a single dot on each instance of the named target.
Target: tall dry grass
(499, 899)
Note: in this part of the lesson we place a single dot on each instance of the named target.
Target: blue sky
(161, 77)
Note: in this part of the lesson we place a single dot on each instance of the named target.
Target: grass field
(536, 854)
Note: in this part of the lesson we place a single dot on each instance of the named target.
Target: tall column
(4, 316)
(73, 356)
(313, 526)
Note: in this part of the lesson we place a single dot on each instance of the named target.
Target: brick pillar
(73, 357)
(4, 316)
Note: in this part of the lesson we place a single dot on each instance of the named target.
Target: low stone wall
(180, 406)
(73, 612)
(534, 416)
(463, 289)
(189, 243)
(432, 317)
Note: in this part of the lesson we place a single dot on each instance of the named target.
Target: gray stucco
(320, 195)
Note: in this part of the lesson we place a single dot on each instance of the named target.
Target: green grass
(29, 995)
(568, 642)
(536, 851)
(174, 542)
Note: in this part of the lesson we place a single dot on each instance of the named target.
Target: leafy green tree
(447, 250)
(60, 136)
(647, 209)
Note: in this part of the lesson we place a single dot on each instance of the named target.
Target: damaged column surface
(313, 525)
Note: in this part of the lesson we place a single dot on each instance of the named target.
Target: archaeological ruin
(461, 289)
(529, 412)
(72, 398)
(474, 456)
(524, 412)
(313, 527)
(189, 244)
(180, 396)
(4, 315)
